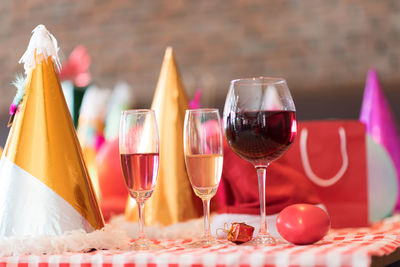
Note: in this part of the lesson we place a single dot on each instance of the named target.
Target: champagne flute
(260, 125)
(203, 149)
(139, 150)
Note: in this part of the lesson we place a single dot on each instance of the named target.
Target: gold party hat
(173, 199)
(45, 187)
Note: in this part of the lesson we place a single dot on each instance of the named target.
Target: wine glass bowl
(260, 125)
(203, 150)
(139, 152)
(257, 141)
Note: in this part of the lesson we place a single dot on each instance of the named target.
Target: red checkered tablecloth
(347, 247)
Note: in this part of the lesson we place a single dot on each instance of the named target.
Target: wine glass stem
(141, 219)
(206, 210)
(261, 173)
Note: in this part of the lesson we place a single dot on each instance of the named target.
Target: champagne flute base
(262, 240)
(145, 244)
(209, 242)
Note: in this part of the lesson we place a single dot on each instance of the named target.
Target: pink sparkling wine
(204, 173)
(140, 172)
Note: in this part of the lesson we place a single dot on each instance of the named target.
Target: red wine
(260, 136)
(140, 172)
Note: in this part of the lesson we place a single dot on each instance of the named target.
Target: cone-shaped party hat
(173, 199)
(379, 121)
(44, 183)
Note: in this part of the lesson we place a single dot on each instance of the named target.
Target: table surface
(377, 245)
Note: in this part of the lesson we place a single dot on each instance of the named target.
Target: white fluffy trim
(42, 43)
(115, 235)
(184, 230)
(110, 237)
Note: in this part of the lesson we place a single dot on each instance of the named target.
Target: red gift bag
(332, 154)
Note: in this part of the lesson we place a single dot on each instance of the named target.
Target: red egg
(303, 224)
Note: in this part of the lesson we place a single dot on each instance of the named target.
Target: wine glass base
(262, 240)
(145, 244)
(209, 242)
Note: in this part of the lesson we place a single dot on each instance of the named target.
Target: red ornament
(303, 224)
(240, 233)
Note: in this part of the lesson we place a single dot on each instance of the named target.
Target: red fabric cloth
(238, 190)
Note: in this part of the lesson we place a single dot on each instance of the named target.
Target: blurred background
(323, 48)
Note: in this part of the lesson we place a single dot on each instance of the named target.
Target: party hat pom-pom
(19, 83)
(76, 68)
(41, 46)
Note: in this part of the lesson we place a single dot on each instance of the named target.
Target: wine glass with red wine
(138, 147)
(260, 125)
(203, 149)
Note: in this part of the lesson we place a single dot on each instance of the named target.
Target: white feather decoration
(41, 46)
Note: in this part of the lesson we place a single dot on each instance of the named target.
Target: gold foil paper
(173, 199)
(43, 142)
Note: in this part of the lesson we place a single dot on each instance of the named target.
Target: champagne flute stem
(140, 204)
(206, 210)
(261, 173)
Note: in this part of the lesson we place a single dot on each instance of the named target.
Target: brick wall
(321, 47)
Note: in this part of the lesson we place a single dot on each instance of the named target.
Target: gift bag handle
(306, 162)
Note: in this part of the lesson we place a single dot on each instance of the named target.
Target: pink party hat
(379, 120)
(195, 103)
